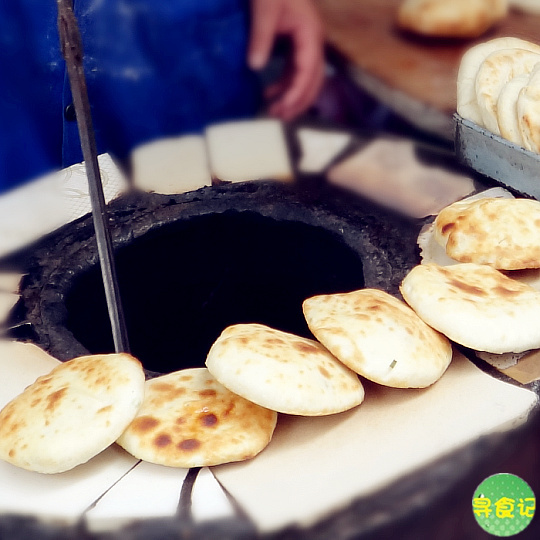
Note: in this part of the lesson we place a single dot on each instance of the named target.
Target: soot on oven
(183, 283)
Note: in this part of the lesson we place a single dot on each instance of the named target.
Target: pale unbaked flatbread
(283, 372)
(453, 19)
(503, 233)
(467, 105)
(528, 112)
(475, 306)
(379, 337)
(188, 419)
(70, 415)
(507, 117)
(495, 71)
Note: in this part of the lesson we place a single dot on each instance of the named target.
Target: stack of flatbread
(498, 88)
(450, 19)
(484, 300)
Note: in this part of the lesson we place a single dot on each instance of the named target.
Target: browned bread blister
(379, 337)
(188, 419)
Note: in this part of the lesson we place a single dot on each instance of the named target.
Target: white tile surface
(208, 499)
(316, 465)
(20, 365)
(10, 281)
(171, 165)
(7, 302)
(35, 209)
(60, 496)
(148, 491)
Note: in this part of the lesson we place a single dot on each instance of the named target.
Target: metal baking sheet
(495, 157)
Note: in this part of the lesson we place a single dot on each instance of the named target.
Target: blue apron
(153, 68)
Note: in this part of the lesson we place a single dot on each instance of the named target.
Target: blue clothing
(154, 68)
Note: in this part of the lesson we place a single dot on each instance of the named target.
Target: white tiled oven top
(351, 454)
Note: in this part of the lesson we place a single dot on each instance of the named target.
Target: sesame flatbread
(475, 306)
(495, 71)
(188, 419)
(379, 337)
(467, 105)
(503, 233)
(71, 414)
(282, 371)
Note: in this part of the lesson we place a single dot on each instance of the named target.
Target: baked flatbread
(507, 109)
(451, 19)
(476, 306)
(379, 337)
(283, 372)
(495, 71)
(528, 112)
(467, 105)
(503, 233)
(188, 419)
(68, 416)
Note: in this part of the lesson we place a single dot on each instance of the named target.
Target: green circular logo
(503, 504)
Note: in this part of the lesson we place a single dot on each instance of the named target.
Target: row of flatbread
(498, 88)
(228, 410)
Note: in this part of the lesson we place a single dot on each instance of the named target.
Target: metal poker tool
(71, 44)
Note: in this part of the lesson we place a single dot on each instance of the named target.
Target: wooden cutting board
(422, 71)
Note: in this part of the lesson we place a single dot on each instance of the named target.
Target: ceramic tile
(10, 281)
(61, 497)
(67, 494)
(148, 491)
(314, 466)
(20, 365)
(248, 150)
(7, 302)
(319, 148)
(208, 500)
(36, 209)
(171, 165)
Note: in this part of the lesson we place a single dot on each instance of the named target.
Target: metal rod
(71, 43)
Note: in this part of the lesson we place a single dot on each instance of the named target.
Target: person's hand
(299, 20)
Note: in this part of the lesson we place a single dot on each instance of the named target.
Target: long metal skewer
(71, 43)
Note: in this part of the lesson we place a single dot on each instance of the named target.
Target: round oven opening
(183, 283)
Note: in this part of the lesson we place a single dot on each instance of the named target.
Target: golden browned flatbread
(188, 419)
(68, 416)
(379, 337)
(475, 306)
(503, 233)
(283, 372)
(453, 19)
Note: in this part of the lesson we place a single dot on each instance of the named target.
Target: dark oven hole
(183, 283)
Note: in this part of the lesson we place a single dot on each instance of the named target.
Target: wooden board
(407, 72)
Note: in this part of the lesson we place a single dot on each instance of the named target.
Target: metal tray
(495, 157)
